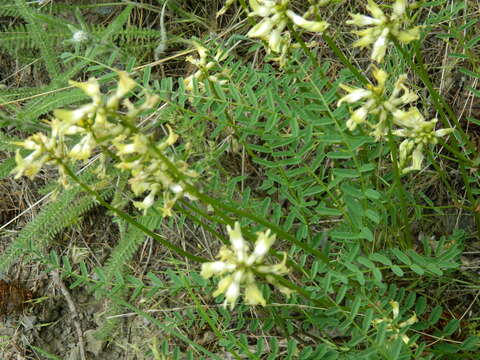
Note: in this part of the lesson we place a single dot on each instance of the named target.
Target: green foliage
(6, 167)
(50, 221)
(130, 240)
(54, 47)
(290, 135)
(44, 44)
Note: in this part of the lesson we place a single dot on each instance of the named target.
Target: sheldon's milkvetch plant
(355, 257)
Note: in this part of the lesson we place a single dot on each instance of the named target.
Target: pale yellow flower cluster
(273, 28)
(238, 268)
(149, 173)
(312, 10)
(208, 67)
(418, 133)
(396, 328)
(376, 102)
(100, 123)
(409, 124)
(380, 28)
(45, 151)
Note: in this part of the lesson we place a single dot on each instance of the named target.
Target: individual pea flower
(317, 4)
(276, 17)
(85, 115)
(125, 85)
(44, 150)
(238, 267)
(392, 323)
(382, 28)
(83, 149)
(418, 133)
(375, 102)
(225, 7)
(206, 64)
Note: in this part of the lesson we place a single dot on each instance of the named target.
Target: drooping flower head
(393, 327)
(375, 110)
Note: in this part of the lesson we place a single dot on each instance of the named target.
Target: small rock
(29, 322)
(93, 345)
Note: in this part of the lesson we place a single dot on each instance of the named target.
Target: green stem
(459, 157)
(305, 48)
(199, 221)
(408, 242)
(470, 197)
(303, 293)
(443, 176)
(275, 228)
(331, 44)
(155, 236)
(247, 235)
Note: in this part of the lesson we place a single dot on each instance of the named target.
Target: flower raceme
(100, 124)
(376, 102)
(409, 124)
(276, 17)
(380, 28)
(238, 268)
(86, 120)
(206, 64)
(417, 133)
(44, 152)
